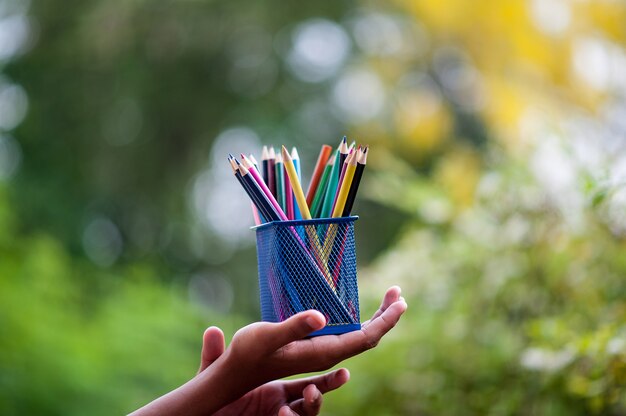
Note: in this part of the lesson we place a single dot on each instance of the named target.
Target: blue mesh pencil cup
(309, 264)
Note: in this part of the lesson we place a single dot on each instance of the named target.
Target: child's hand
(263, 352)
(285, 398)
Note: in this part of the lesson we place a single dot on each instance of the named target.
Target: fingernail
(313, 322)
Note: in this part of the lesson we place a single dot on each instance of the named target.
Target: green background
(493, 195)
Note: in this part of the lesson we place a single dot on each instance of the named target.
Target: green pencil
(331, 189)
(280, 182)
(318, 199)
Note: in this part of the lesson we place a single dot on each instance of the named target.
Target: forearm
(204, 394)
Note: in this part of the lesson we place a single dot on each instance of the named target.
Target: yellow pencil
(345, 187)
(295, 184)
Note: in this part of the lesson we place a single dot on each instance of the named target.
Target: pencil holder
(309, 264)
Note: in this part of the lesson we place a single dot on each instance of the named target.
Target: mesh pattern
(309, 264)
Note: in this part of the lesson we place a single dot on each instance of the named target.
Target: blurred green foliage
(494, 194)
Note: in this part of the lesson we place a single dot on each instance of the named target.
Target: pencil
(340, 203)
(306, 214)
(235, 166)
(321, 190)
(320, 165)
(265, 189)
(295, 184)
(254, 161)
(260, 195)
(288, 194)
(280, 181)
(343, 172)
(265, 155)
(271, 171)
(296, 163)
(354, 187)
(255, 211)
(331, 188)
(343, 150)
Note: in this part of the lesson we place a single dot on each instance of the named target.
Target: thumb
(294, 328)
(212, 347)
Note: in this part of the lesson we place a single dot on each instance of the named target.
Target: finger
(323, 352)
(324, 383)
(311, 402)
(212, 347)
(286, 411)
(370, 335)
(392, 295)
(276, 335)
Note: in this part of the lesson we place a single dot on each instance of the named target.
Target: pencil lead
(265, 153)
(294, 153)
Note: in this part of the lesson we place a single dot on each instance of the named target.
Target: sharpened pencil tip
(230, 156)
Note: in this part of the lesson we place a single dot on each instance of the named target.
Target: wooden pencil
(345, 188)
(318, 171)
(280, 181)
(265, 189)
(235, 166)
(288, 194)
(331, 188)
(341, 177)
(343, 150)
(254, 161)
(260, 195)
(321, 190)
(354, 187)
(271, 171)
(265, 155)
(296, 163)
(295, 184)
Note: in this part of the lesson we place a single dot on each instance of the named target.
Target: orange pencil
(317, 172)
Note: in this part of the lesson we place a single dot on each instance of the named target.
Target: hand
(264, 351)
(287, 398)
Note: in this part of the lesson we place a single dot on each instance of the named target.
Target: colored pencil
(255, 211)
(271, 171)
(288, 195)
(354, 188)
(343, 150)
(256, 190)
(265, 155)
(345, 187)
(295, 184)
(343, 172)
(296, 162)
(280, 181)
(253, 160)
(320, 165)
(262, 210)
(321, 190)
(265, 189)
(306, 214)
(331, 187)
